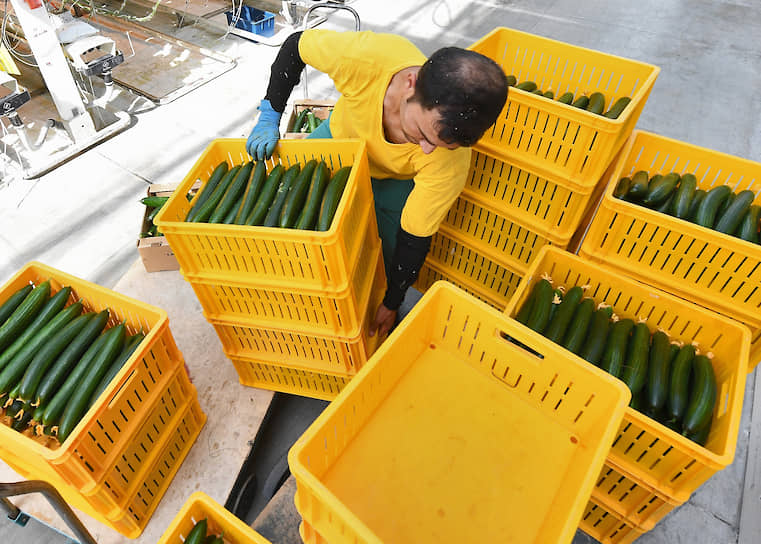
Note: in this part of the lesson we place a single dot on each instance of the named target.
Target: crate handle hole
(524, 347)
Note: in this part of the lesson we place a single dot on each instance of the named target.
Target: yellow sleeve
(437, 186)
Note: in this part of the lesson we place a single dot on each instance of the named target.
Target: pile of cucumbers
(672, 383)
(594, 103)
(297, 197)
(306, 121)
(154, 204)
(198, 535)
(677, 195)
(55, 360)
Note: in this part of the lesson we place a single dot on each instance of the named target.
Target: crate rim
(269, 232)
(603, 122)
(714, 460)
(63, 450)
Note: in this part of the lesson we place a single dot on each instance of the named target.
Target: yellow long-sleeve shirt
(361, 65)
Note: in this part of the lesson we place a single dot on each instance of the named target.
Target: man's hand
(384, 320)
(265, 134)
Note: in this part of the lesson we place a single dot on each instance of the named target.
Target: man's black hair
(468, 90)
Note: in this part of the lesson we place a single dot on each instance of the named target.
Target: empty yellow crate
(556, 139)
(455, 257)
(715, 270)
(606, 527)
(296, 381)
(662, 459)
(548, 206)
(314, 311)
(430, 273)
(219, 521)
(459, 399)
(272, 256)
(631, 500)
(148, 489)
(114, 422)
(492, 234)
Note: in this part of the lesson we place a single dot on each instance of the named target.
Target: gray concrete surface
(83, 217)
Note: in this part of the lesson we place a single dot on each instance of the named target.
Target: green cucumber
(294, 203)
(658, 374)
(701, 437)
(639, 187)
(130, 345)
(666, 205)
(560, 321)
(566, 98)
(702, 397)
(525, 310)
(60, 369)
(660, 189)
(273, 214)
(511, 80)
(232, 194)
(319, 182)
(528, 86)
(540, 310)
(680, 206)
(581, 102)
(49, 309)
(537, 92)
(577, 329)
(198, 534)
(48, 353)
(748, 229)
(208, 189)
(311, 122)
(723, 208)
(700, 194)
(267, 195)
(13, 302)
(622, 187)
(734, 214)
(557, 299)
(252, 193)
(154, 201)
(635, 368)
(298, 123)
(205, 211)
(23, 315)
(617, 108)
(705, 216)
(15, 369)
(679, 383)
(549, 94)
(78, 402)
(22, 419)
(596, 103)
(332, 198)
(615, 349)
(594, 344)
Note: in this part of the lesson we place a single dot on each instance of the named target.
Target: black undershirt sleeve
(285, 72)
(409, 256)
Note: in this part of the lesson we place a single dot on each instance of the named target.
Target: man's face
(419, 126)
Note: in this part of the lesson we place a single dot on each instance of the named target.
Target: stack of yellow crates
(536, 173)
(291, 307)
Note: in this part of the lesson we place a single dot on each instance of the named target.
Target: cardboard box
(155, 252)
(320, 108)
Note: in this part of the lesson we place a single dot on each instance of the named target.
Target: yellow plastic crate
(148, 488)
(115, 421)
(630, 500)
(459, 399)
(313, 311)
(492, 234)
(296, 381)
(653, 454)
(274, 256)
(606, 527)
(219, 520)
(430, 273)
(715, 270)
(317, 353)
(556, 139)
(455, 257)
(546, 205)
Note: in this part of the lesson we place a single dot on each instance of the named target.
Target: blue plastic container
(253, 20)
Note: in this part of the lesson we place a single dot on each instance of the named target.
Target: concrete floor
(83, 217)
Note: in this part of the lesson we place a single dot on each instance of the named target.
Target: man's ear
(409, 84)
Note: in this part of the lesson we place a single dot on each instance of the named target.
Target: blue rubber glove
(265, 134)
